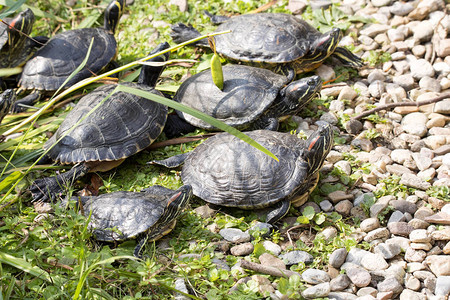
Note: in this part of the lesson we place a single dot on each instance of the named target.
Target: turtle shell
(227, 171)
(122, 215)
(246, 95)
(266, 37)
(123, 125)
(52, 64)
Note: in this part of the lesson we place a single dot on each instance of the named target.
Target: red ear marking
(173, 198)
(313, 142)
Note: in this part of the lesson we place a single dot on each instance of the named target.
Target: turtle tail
(182, 33)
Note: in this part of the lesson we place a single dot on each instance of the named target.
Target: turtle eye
(311, 81)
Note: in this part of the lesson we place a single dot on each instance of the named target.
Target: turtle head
(318, 145)
(322, 47)
(113, 13)
(177, 202)
(150, 73)
(299, 93)
(20, 26)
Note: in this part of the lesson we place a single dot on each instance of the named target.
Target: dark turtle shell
(123, 125)
(246, 95)
(52, 64)
(225, 170)
(266, 37)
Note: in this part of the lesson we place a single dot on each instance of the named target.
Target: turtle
(276, 40)
(227, 171)
(16, 45)
(251, 98)
(52, 64)
(147, 215)
(119, 127)
(7, 98)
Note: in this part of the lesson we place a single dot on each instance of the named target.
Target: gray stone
(339, 283)
(338, 257)
(344, 207)
(374, 29)
(380, 3)
(406, 81)
(380, 233)
(412, 283)
(411, 295)
(341, 296)
(260, 229)
(317, 291)
(398, 169)
(442, 286)
(424, 31)
(421, 68)
(242, 249)
(414, 181)
(315, 276)
(326, 206)
(355, 256)
(358, 276)
(401, 8)
(369, 224)
(180, 285)
(439, 264)
(377, 88)
(423, 212)
(363, 144)
(272, 247)
(267, 259)
(234, 235)
(400, 228)
(418, 224)
(419, 236)
(388, 251)
(396, 35)
(430, 84)
(296, 256)
(412, 255)
(374, 262)
(220, 264)
(390, 284)
(404, 206)
(353, 126)
(442, 107)
(364, 198)
(397, 216)
(401, 155)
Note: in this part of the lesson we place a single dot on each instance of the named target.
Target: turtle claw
(45, 189)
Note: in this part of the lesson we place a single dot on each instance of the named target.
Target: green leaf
(283, 285)
(309, 212)
(213, 275)
(294, 281)
(259, 249)
(302, 220)
(13, 6)
(197, 114)
(8, 181)
(25, 266)
(319, 218)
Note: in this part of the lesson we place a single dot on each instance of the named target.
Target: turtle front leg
(140, 246)
(347, 57)
(280, 209)
(22, 104)
(46, 188)
(182, 33)
(267, 123)
(216, 19)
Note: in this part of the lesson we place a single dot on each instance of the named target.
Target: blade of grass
(12, 7)
(197, 114)
(25, 266)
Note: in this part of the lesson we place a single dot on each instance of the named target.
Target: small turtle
(147, 216)
(7, 99)
(273, 39)
(51, 65)
(121, 126)
(251, 98)
(225, 170)
(16, 47)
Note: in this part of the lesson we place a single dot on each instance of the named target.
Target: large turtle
(251, 98)
(51, 65)
(147, 216)
(225, 170)
(273, 39)
(16, 45)
(119, 127)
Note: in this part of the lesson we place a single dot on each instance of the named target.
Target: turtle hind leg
(27, 101)
(140, 246)
(280, 209)
(216, 19)
(46, 188)
(268, 123)
(176, 126)
(347, 58)
(182, 33)
(171, 162)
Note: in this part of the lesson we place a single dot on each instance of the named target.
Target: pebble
(400, 228)
(344, 207)
(421, 68)
(234, 235)
(390, 284)
(317, 291)
(273, 248)
(412, 255)
(268, 259)
(442, 286)
(242, 249)
(296, 256)
(374, 262)
(404, 206)
(339, 283)
(439, 264)
(369, 224)
(388, 251)
(358, 276)
(338, 257)
(377, 234)
(419, 236)
(315, 276)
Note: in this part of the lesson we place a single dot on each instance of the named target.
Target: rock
(297, 256)
(400, 228)
(326, 205)
(406, 81)
(442, 107)
(412, 255)
(317, 291)
(430, 84)
(421, 68)
(234, 235)
(442, 286)
(418, 224)
(182, 4)
(315, 276)
(439, 218)
(401, 155)
(367, 292)
(373, 262)
(380, 233)
(347, 93)
(412, 283)
(267, 259)
(180, 285)
(419, 236)
(404, 206)
(411, 295)
(358, 276)
(423, 212)
(242, 249)
(337, 196)
(390, 284)
(296, 6)
(337, 258)
(260, 229)
(398, 169)
(374, 29)
(377, 88)
(421, 246)
(439, 264)
(344, 207)
(339, 283)
(341, 296)
(353, 126)
(414, 181)
(388, 251)
(369, 224)
(328, 233)
(220, 264)
(264, 284)
(272, 247)
(397, 216)
(441, 235)
(401, 8)
(423, 31)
